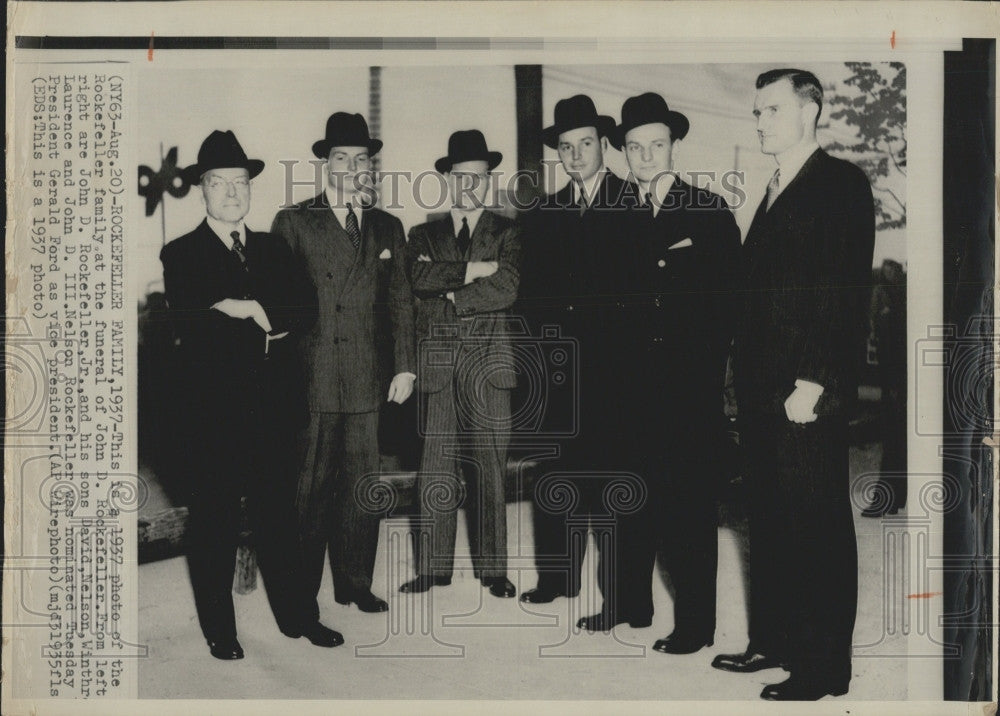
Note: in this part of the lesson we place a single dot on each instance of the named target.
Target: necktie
(772, 188)
(353, 230)
(238, 249)
(464, 237)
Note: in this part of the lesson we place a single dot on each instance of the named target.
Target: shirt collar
(660, 188)
(793, 160)
(223, 231)
(340, 210)
(590, 187)
(472, 215)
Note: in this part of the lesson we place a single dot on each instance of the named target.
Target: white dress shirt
(223, 231)
(589, 187)
(340, 210)
(659, 188)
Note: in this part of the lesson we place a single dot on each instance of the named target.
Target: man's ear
(810, 113)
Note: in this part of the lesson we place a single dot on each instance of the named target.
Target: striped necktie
(353, 230)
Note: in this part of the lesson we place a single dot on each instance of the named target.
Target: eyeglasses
(218, 184)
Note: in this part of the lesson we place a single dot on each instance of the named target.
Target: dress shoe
(604, 622)
(318, 634)
(499, 586)
(680, 643)
(542, 595)
(423, 583)
(879, 511)
(745, 663)
(801, 688)
(366, 601)
(226, 649)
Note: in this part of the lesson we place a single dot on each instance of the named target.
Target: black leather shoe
(878, 511)
(542, 595)
(423, 583)
(745, 663)
(366, 601)
(604, 622)
(226, 649)
(801, 688)
(499, 587)
(323, 636)
(679, 643)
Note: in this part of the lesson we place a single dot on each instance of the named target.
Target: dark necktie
(464, 237)
(772, 188)
(353, 230)
(238, 249)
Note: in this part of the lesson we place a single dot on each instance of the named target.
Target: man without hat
(807, 273)
(465, 271)
(676, 275)
(564, 283)
(354, 255)
(240, 302)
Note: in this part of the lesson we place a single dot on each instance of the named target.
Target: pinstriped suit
(466, 372)
(365, 311)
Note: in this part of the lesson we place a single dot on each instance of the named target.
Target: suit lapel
(797, 181)
(445, 242)
(483, 237)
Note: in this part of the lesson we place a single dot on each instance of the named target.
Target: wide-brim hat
(467, 146)
(221, 150)
(648, 108)
(346, 130)
(573, 113)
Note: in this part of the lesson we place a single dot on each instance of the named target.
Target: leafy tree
(873, 106)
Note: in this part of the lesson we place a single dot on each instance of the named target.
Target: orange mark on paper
(149, 52)
(924, 595)
(892, 40)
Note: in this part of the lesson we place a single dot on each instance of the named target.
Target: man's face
(468, 184)
(227, 193)
(649, 150)
(349, 169)
(581, 152)
(782, 118)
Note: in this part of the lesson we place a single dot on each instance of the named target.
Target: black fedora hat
(221, 150)
(648, 108)
(466, 146)
(346, 130)
(573, 113)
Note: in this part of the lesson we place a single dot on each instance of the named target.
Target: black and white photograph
(457, 365)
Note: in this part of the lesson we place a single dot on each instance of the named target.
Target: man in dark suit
(675, 282)
(354, 256)
(563, 284)
(807, 258)
(239, 302)
(465, 272)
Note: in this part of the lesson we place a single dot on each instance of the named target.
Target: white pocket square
(386, 254)
(682, 244)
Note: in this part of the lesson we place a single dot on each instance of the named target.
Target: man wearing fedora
(239, 302)
(465, 270)
(675, 277)
(354, 255)
(807, 274)
(564, 284)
